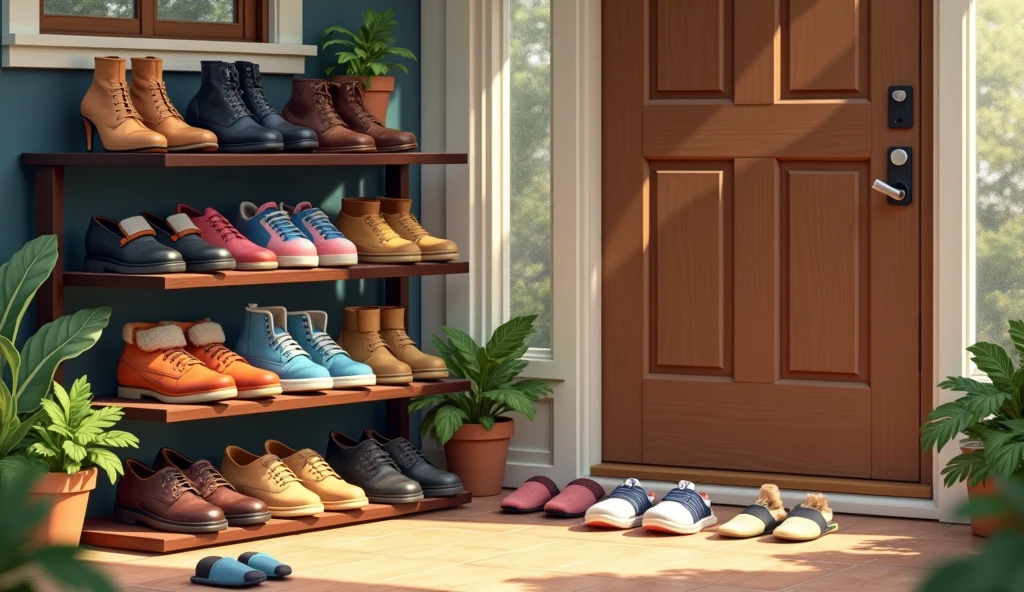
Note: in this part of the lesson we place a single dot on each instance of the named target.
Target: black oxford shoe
(369, 466)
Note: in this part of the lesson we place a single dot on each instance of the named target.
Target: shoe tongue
(134, 226)
(631, 482)
(211, 212)
(687, 485)
(181, 224)
(268, 206)
(302, 207)
(279, 330)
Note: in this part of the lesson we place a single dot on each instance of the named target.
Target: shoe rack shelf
(200, 159)
(105, 532)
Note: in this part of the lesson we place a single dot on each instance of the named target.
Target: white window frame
(25, 47)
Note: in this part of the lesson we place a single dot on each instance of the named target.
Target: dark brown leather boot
(348, 102)
(311, 106)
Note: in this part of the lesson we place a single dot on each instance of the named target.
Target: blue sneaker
(266, 344)
(272, 229)
(309, 328)
(623, 508)
(332, 247)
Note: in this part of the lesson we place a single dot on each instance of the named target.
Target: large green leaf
(995, 362)
(21, 277)
(55, 342)
(960, 467)
(448, 419)
(510, 336)
(18, 431)
(1017, 336)
(466, 348)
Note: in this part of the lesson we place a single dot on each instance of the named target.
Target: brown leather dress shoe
(164, 500)
(311, 106)
(240, 510)
(349, 103)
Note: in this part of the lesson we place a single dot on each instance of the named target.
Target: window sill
(76, 52)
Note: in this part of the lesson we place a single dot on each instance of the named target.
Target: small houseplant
(472, 426)
(991, 415)
(368, 56)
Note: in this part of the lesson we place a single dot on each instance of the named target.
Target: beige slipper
(810, 520)
(763, 517)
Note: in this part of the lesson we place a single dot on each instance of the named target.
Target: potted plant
(472, 426)
(366, 57)
(992, 418)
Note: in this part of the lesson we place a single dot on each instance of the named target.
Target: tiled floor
(477, 548)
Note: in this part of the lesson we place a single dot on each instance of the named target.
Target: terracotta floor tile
(870, 525)
(620, 561)
(841, 547)
(633, 585)
(920, 553)
(729, 568)
(472, 577)
(875, 578)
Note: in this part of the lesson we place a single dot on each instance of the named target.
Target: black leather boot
(367, 465)
(218, 107)
(295, 137)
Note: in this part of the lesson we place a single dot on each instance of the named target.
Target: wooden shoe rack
(49, 208)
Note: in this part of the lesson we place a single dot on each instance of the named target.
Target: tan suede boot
(362, 340)
(376, 242)
(149, 95)
(107, 108)
(397, 213)
(392, 329)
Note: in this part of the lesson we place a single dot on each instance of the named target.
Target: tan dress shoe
(392, 329)
(362, 340)
(268, 479)
(376, 242)
(107, 108)
(398, 214)
(318, 476)
(149, 95)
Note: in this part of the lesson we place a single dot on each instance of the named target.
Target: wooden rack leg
(50, 220)
(396, 293)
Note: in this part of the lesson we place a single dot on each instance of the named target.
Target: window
(228, 20)
(530, 165)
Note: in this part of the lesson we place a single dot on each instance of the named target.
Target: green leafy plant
(74, 435)
(28, 374)
(21, 559)
(367, 52)
(491, 371)
(992, 414)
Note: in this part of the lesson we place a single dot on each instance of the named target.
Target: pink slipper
(575, 499)
(531, 496)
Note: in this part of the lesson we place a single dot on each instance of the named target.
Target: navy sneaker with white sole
(623, 508)
(681, 511)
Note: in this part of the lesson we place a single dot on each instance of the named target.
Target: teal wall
(39, 112)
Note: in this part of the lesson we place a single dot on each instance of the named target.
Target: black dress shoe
(296, 137)
(412, 463)
(179, 233)
(128, 246)
(218, 107)
(367, 465)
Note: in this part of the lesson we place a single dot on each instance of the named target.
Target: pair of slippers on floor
(539, 494)
(807, 521)
(250, 569)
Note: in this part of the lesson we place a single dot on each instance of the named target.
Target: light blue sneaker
(309, 328)
(266, 344)
(270, 228)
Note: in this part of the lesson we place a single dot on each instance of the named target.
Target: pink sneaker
(331, 245)
(269, 227)
(216, 230)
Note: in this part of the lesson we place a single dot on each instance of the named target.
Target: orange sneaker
(206, 343)
(155, 364)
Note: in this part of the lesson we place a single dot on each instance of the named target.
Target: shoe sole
(429, 374)
(133, 516)
(301, 145)
(260, 392)
(338, 260)
(660, 525)
(395, 499)
(610, 522)
(293, 385)
(442, 256)
(255, 265)
(402, 258)
(296, 511)
(252, 147)
(358, 380)
(102, 265)
(200, 147)
(201, 266)
(394, 378)
(135, 394)
(297, 261)
(442, 491)
(348, 149)
(402, 148)
(248, 519)
(346, 505)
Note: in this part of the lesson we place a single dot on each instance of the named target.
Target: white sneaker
(681, 511)
(623, 508)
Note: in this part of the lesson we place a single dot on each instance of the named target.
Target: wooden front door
(760, 302)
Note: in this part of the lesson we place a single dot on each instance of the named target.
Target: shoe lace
(234, 93)
(226, 230)
(223, 354)
(279, 472)
(180, 358)
(375, 458)
(282, 225)
(374, 342)
(259, 96)
(411, 224)
(380, 227)
(208, 477)
(176, 483)
(357, 100)
(325, 105)
(322, 224)
(403, 338)
(285, 344)
(325, 346)
(164, 106)
(409, 452)
(123, 105)
(320, 468)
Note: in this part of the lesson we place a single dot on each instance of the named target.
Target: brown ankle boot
(311, 106)
(348, 102)
(376, 242)
(392, 329)
(107, 107)
(398, 214)
(362, 340)
(149, 95)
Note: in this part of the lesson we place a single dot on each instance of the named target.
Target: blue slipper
(225, 572)
(266, 564)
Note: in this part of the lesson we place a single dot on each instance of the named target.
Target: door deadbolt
(901, 107)
(899, 157)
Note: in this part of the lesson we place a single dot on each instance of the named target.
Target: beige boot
(362, 340)
(107, 107)
(398, 214)
(376, 242)
(392, 329)
(149, 94)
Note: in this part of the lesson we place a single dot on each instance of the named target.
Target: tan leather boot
(107, 108)
(392, 329)
(398, 214)
(149, 95)
(362, 340)
(376, 242)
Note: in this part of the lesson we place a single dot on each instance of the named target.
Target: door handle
(899, 182)
(893, 193)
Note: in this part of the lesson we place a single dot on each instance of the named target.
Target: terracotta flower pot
(982, 527)
(478, 456)
(69, 495)
(377, 95)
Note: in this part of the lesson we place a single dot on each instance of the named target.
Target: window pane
(1000, 168)
(206, 11)
(530, 224)
(104, 8)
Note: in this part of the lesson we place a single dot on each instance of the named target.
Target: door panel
(692, 49)
(825, 48)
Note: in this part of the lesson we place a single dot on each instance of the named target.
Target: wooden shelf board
(105, 532)
(154, 411)
(175, 160)
(223, 279)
